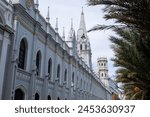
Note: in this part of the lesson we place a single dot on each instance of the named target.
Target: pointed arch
(50, 67)
(65, 76)
(22, 54)
(19, 94)
(77, 82)
(81, 84)
(72, 81)
(81, 47)
(37, 96)
(102, 74)
(48, 97)
(58, 71)
(38, 62)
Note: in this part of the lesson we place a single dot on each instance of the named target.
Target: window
(72, 81)
(102, 75)
(85, 47)
(22, 54)
(77, 82)
(81, 47)
(101, 64)
(38, 63)
(81, 84)
(50, 67)
(37, 97)
(58, 71)
(19, 94)
(65, 75)
(49, 97)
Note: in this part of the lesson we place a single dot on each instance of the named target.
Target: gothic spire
(56, 28)
(83, 46)
(36, 4)
(82, 21)
(82, 11)
(48, 16)
(63, 33)
(71, 23)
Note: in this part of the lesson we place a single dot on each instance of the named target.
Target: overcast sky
(67, 9)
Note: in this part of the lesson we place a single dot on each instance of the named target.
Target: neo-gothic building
(37, 63)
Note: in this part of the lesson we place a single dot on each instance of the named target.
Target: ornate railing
(23, 75)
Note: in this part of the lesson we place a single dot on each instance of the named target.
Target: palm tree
(132, 56)
(129, 13)
(132, 45)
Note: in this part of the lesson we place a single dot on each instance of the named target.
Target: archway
(19, 95)
(37, 97)
(49, 97)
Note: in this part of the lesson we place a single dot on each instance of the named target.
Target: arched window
(22, 54)
(77, 82)
(72, 81)
(37, 97)
(49, 97)
(102, 74)
(38, 63)
(58, 71)
(19, 94)
(85, 47)
(50, 67)
(81, 84)
(65, 75)
(81, 47)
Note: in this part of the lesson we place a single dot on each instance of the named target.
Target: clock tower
(83, 42)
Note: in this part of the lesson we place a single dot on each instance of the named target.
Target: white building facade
(37, 63)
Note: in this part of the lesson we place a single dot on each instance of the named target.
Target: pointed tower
(83, 42)
(36, 5)
(63, 36)
(103, 70)
(48, 16)
(56, 27)
(71, 40)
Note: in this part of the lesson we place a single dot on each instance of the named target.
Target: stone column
(3, 59)
(55, 80)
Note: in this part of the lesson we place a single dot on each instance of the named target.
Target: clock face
(29, 3)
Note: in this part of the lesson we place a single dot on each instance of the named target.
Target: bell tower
(102, 65)
(83, 42)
